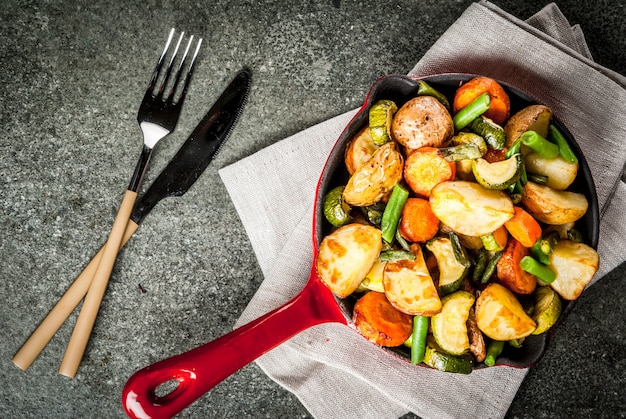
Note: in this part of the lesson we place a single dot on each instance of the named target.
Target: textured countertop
(73, 76)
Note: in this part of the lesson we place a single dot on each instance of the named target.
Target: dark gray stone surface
(73, 74)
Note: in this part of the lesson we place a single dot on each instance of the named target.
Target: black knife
(181, 172)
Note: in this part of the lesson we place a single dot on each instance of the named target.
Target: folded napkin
(330, 368)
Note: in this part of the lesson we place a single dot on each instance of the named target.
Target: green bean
(490, 268)
(391, 215)
(514, 149)
(404, 244)
(418, 339)
(537, 178)
(425, 89)
(481, 264)
(494, 349)
(539, 145)
(534, 267)
(538, 252)
(391, 255)
(472, 111)
(564, 148)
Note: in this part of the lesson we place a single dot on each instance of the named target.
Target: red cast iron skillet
(199, 370)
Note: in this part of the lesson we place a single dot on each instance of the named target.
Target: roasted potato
(532, 118)
(375, 178)
(420, 122)
(500, 316)
(409, 286)
(470, 209)
(550, 206)
(575, 265)
(359, 150)
(346, 256)
(561, 173)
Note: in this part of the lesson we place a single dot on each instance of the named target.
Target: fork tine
(187, 79)
(159, 64)
(168, 70)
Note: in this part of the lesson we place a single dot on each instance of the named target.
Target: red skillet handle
(202, 368)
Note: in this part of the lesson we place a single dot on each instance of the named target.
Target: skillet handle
(199, 370)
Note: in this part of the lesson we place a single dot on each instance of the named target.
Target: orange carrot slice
(418, 223)
(425, 168)
(523, 227)
(509, 270)
(380, 322)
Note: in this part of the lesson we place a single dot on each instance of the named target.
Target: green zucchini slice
(436, 358)
(380, 118)
(470, 138)
(452, 272)
(498, 175)
(492, 133)
(336, 211)
(450, 325)
(547, 309)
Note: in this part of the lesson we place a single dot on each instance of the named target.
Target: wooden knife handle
(89, 311)
(38, 340)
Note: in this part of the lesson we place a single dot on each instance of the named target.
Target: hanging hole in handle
(171, 388)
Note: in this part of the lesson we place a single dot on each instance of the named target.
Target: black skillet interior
(402, 88)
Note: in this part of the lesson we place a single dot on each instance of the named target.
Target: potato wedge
(375, 178)
(532, 118)
(346, 256)
(409, 286)
(468, 208)
(561, 173)
(500, 316)
(554, 207)
(575, 265)
(422, 121)
(359, 150)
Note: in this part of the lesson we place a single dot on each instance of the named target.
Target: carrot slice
(380, 322)
(524, 228)
(509, 270)
(418, 223)
(500, 106)
(425, 168)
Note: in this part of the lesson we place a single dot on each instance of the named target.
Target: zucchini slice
(374, 279)
(336, 211)
(547, 309)
(452, 271)
(461, 152)
(492, 133)
(380, 118)
(450, 326)
(470, 138)
(498, 175)
(436, 358)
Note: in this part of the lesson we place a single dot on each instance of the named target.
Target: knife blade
(177, 177)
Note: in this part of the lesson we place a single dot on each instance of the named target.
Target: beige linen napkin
(330, 368)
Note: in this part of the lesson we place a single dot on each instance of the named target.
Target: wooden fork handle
(38, 340)
(89, 311)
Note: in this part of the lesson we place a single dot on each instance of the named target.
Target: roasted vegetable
(425, 168)
(547, 310)
(437, 358)
(418, 223)
(380, 117)
(565, 150)
(492, 133)
(500, 316)
(346, 256)
(537, 269)
(476, 339)
(496, 240)
(335, 210)
(471, 112)
(424, 89)
(409, 286)
(373, 281)
(551, 206)
(469, 208)
(453, 268)
(359, 150)
(510, 272)
(450, 325)
(539, 144)
(532, 118)
(380, 322)
(375, 178)
(418, 338)
(494, 349)
(499, 107)
(523, 227)
(422, 121)
(574, 264)
(393, 209)
(499, 175)
(559, 172)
